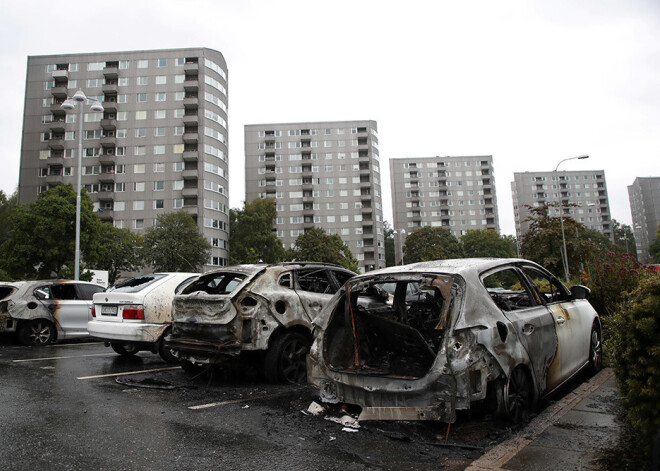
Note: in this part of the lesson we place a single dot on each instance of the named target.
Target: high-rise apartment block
(583, 192)
(321, 174)
(644, 196)
(160, 144)
(455, 193)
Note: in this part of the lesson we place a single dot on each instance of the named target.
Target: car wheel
(595, 351)
(285, 359)
(124, 349)
(38, 332)
(165, 352)
(192, 369)
(515, 397)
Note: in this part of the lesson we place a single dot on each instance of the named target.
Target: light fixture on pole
(401, 233)
(564, 254)
(70, 105)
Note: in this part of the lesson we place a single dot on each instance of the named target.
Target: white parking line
(129, 373)
(224, 403)
(62, 358)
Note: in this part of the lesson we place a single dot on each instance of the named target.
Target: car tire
(124, 349)
(190, 368)
(595, 350)
(285, 359)
(514, 397)
(36, 333)
(165, 352)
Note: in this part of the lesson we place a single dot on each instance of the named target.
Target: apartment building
(586, 189)
(644, 195)
(321, 174)
(159, 145)
(455, 193)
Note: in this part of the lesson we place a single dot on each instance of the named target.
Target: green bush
(635, 349)
(612, 277)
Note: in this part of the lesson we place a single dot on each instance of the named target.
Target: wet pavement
(81, 406)
(568, 435)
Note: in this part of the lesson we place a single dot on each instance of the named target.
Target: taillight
(93, 312)
(133, 312)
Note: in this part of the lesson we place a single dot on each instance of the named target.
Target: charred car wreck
(502, 332)
(265, 310)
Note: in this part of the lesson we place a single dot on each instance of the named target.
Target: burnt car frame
(262, 310)
(498, 332)
(41, 312)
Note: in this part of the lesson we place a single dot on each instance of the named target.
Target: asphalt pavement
(567, 435)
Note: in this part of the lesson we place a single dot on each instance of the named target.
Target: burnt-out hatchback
(499, 332)
(262, 309)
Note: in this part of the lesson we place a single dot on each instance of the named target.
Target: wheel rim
(596, 356)
(292, 361)
(40, 333)
(518, 395)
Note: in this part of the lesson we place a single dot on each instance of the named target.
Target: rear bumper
(191, 347)
(126, 332)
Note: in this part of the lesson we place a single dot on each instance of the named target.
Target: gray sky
(529, 82)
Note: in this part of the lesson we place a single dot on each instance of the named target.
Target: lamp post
(70, 105)
(564, 257)
(401, 233)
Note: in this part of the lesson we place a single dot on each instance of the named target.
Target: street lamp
(401, 233)
(70, 105)
(564, 258)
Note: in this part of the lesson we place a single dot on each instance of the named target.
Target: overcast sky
(528, 82)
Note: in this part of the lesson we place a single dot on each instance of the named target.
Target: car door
(315, 287)
(571, 326)
(70, 311)
(531, 319)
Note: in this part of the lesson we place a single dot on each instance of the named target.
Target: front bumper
(126, 332)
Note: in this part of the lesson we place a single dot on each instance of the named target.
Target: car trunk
(389, 327)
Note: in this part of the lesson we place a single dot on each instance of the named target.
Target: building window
(143, 64)
(143, 80)
(159, 185)
(159, 204)
(161, 63)
(141, 97)
(139, 115)
(161, 79)
(140, 132)
(138, 205)
(161, 96)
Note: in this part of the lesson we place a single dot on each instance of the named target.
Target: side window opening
(508, 290)
(315, 281)
(549, 290)
(216, 283)
(64, 291)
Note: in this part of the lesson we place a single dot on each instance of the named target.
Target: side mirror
(40, 294)
(580, 292)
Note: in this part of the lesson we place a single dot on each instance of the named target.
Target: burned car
(135, 314)
(502, 333)
(265, 310)
(40, 312)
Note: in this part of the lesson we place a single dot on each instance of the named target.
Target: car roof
(251, 269)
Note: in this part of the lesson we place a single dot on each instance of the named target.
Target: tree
(251, 236)
(175, 244)
(431, 243)
(654, 248)
(7, 206)
(317, 246)
(487, 243)
(42, 239)
(117, 251)
(624, 239)
(543, 244)
(390, 259)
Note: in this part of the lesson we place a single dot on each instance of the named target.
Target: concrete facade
(321, 174)
(644, 195)
(586, 188)
(160, 144)
(455, 193)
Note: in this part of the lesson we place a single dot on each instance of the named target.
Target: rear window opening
(136, 284)
(392, 328)
(6, 291)
(215, 283)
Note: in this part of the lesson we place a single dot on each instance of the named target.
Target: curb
(502, 453)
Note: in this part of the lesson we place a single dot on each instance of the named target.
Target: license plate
(108, 310)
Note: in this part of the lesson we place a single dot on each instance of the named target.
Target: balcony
(191, 103)
(111, 71)
(56, 144)
(192, 210)
(190, 192)
(191, 68)
(110, 88)
(109, 106)
(109, 124)
(191, 85)
(108, 141)
(107, 159)
(59, 91)
(191, 137)
(106, 196)
(191, 119)
(57, 161)
(107, 177)
(55, 179)
(190, 155)
(105, 214)
(189, 174)
(57, 126)
(61, 75)
(56, 108)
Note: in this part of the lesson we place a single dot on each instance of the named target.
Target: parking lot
(81, 406)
